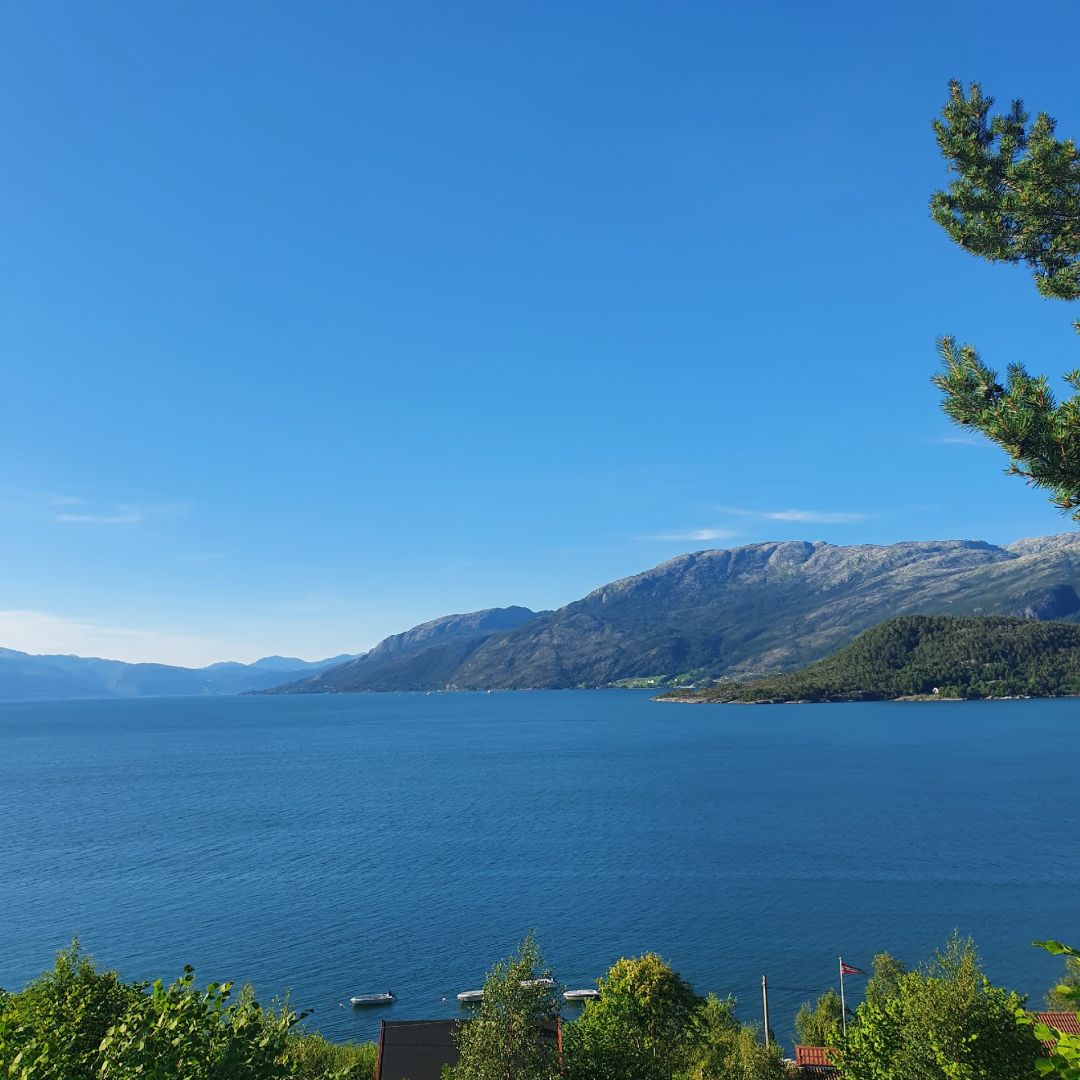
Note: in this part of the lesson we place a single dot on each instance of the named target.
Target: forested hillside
(939, 656)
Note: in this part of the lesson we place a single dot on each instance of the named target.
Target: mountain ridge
(753, 609)
(698, 617)
(428, 653)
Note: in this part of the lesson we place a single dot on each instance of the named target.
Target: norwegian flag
(846, 969)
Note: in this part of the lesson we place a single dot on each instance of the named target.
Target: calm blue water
(341, 845)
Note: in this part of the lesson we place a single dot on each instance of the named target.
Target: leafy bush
(944, 1021)
(820, 1025)
(78, 1023)
(1064, 1059)
(725, 1049)
(54, 1028)
(508, 1040)
(640, 1027)
(316, 1058)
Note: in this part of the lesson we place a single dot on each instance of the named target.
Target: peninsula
(941, 657)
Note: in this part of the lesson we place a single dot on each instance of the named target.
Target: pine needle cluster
(1015, 199)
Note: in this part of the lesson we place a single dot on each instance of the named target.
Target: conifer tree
(1015, 199)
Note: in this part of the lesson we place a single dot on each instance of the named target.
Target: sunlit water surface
(340, 845)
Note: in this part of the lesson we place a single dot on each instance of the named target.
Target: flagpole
(843, 1006)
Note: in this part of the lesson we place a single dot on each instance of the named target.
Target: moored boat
(581, 995)
(372, 999)
(470, 997)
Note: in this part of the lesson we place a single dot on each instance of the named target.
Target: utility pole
(765, 1007)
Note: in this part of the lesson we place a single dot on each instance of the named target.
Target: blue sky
(322, 320)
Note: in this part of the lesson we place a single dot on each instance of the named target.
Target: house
(1067, 1023)
(415, 1049)
(418, 1049)
(813, 1061)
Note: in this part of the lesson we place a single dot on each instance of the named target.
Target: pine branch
(1041, 436)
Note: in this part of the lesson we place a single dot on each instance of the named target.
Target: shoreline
(666, 700)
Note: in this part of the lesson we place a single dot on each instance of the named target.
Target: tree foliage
(186, 1033)
(884, 981)
(648, 1024)
(77, 1023)
(314, 1058)
(54, 1028)
(511, 1037)
(725, 1049)
(820, 1024)
(1066, 994)
(1040, 435)
(1015, 199)
(638, 1029)
(952, 656)
(1064, 1058)
(944, 1021)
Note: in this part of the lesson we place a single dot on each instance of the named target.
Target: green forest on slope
(943, 656)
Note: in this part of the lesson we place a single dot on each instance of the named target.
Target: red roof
(812, 1055)
(1066, 1022)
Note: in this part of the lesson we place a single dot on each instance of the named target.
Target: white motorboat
(372, 999)
(581, 995)
(471, 997)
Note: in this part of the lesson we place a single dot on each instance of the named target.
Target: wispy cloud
(65, 509)
(119, 515)
(201, 558)
(818, 517)
(813, 517)
(313, 604)
(43, 632)
(68, 510)
(693, 534)
(956, 440)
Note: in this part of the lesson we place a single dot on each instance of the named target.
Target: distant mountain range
(749, 610)
(24, 677)
(752, 610)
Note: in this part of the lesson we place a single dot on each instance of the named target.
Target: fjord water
(351, 844)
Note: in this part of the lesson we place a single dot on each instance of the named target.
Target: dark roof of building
(416, 1049)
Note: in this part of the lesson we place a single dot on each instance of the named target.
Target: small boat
(471, 997)
(581, 995)
(372, 999)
